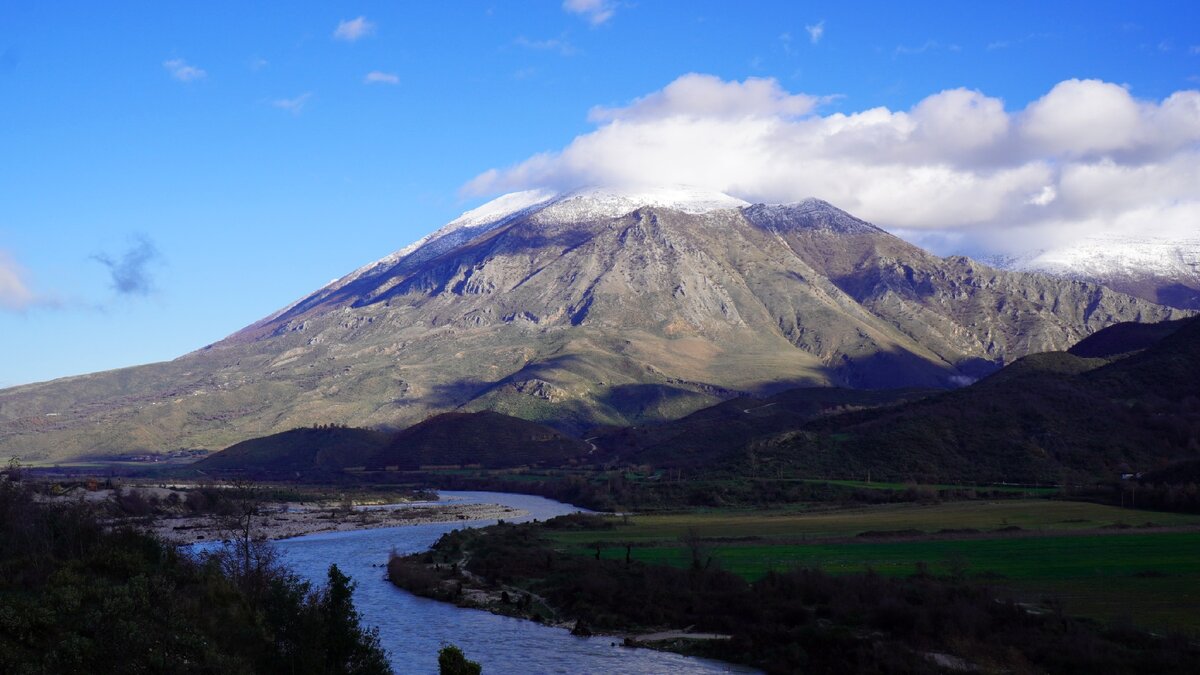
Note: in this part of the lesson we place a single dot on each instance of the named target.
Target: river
(413, 629)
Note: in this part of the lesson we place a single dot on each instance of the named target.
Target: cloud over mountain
(1084, 158)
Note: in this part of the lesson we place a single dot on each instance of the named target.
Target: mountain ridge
(603, 319)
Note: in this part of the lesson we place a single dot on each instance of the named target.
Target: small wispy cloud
(184, 72)
(15, 295)
(1011, 42)
(1194, 49)
(257, 63)
(785, 41)
(293, 105)
(380, 77)
(927, 46)
(596, 12)
(816, 31)
(130, 271)
(560, 45)
(352, 30)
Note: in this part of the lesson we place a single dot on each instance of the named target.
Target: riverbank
(190, 513)
(277, 521)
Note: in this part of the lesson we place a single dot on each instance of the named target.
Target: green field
(876, 485)
(797, 523)
(1065, 550)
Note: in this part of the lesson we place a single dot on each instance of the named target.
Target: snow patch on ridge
(604, 202)
(458, 231)
(1113, 256)
(478, 219)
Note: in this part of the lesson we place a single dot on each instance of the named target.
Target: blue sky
(170, 172)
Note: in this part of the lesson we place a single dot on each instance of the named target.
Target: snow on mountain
(813, 212)
(601, 202)
(575, 206)
(1113, 256)
(470, 224)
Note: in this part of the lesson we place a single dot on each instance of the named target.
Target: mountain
(595, 307)
(1053, 417)
(1166, 271)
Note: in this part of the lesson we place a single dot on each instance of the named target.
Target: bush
(451, 661)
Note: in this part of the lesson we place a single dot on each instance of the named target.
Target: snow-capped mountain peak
(574, 206)
(608, 202)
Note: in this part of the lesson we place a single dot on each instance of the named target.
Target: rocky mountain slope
(594, 307)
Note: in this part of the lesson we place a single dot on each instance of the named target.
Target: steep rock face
(595, 307)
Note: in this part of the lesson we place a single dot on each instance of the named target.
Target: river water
(413, 629)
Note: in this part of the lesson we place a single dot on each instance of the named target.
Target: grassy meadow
(1098, 561)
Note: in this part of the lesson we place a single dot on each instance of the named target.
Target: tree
(699, 552)
(451, 661)
(14, 469)
(349, 647)
(251, 559)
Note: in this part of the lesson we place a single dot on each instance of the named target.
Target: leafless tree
(249, 558)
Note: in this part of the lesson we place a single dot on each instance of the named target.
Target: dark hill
(1052, 417)
(306, 450)
(1124, 338)
(693, 440)
(1059, 422)
(487, 439)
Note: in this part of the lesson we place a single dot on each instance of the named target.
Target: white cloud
(696, 95)
(1083, 116)
(380, 77)
(180, 70)
(293, 105)
(353, 30)
(14, 290)
(1085, 157)
(816, 31)
(595, 11)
